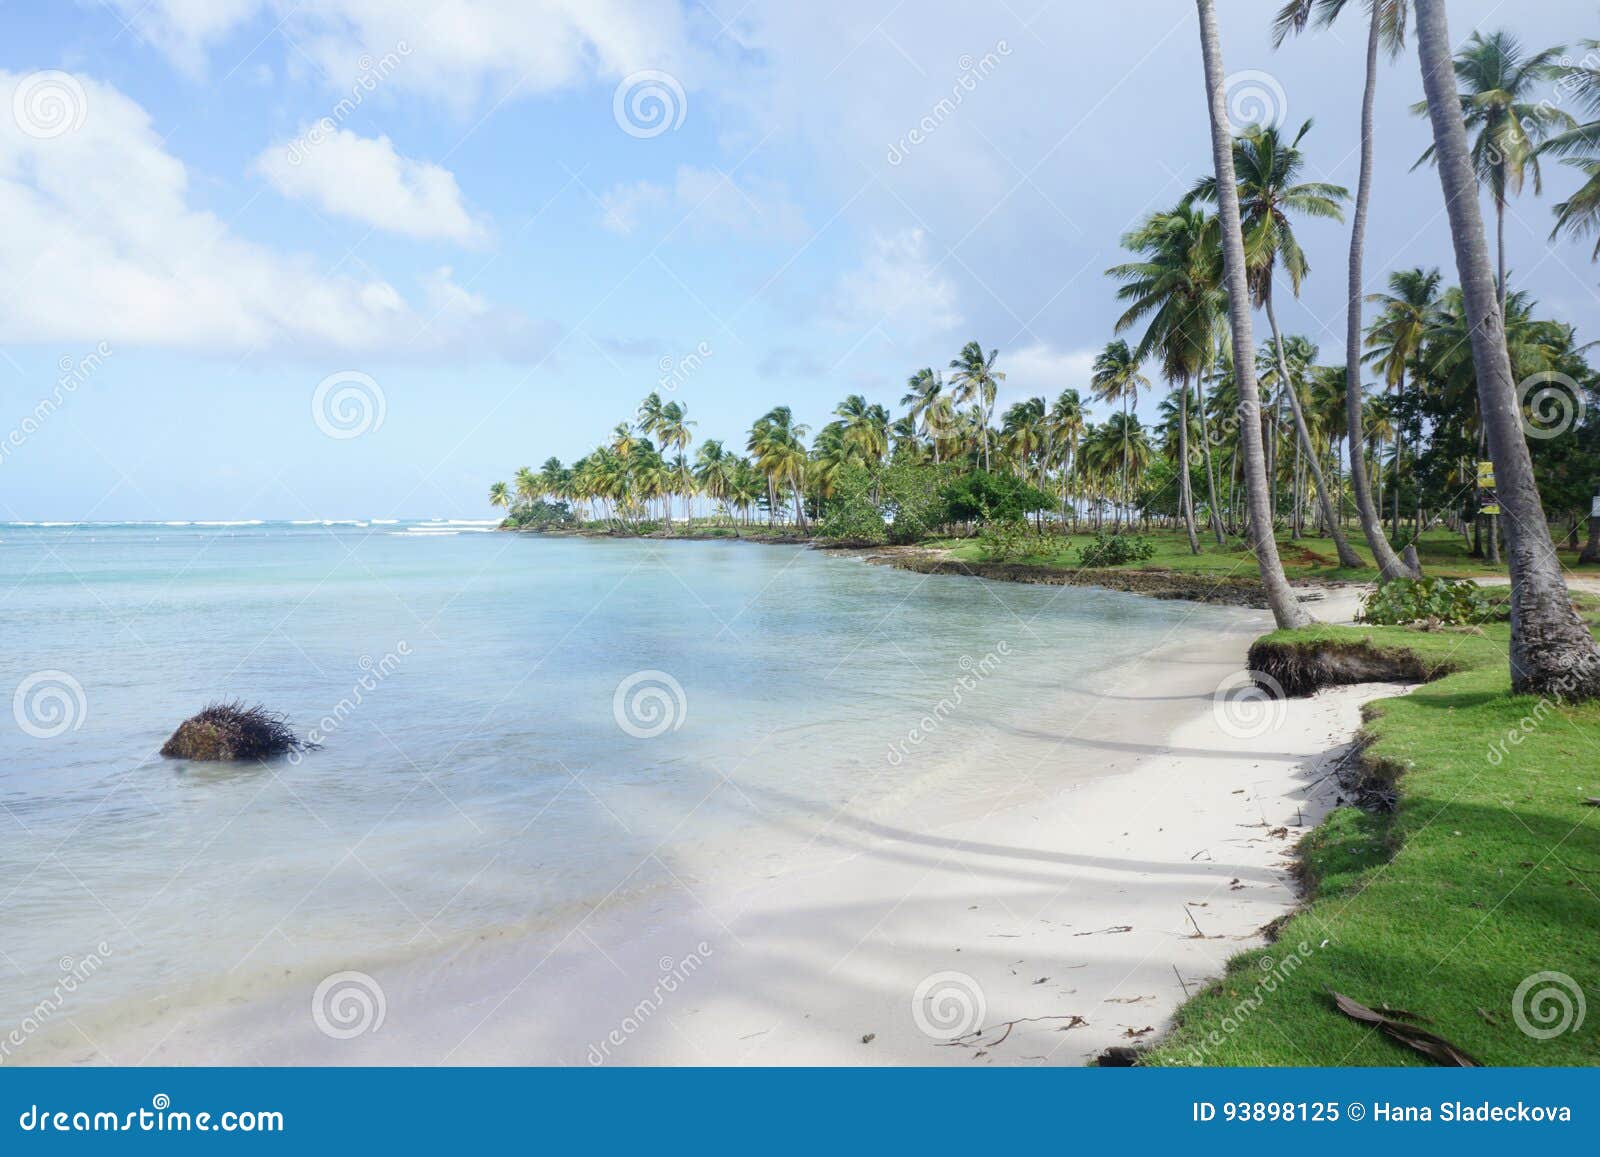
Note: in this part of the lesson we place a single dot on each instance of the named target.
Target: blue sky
(212, 208)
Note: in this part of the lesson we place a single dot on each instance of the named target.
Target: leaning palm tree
(976, 380)
(1552, 651)
(1386, 27)
(1116, 377)
(500, 495)
(1267, 166)
(1495, 100)
(1286, 610)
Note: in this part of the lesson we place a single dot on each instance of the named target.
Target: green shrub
(1115, 549)
(541, 515)
(1401, 601)
(1004, 541)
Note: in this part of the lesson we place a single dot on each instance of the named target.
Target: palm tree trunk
(1389, 564)
(1185, 491)
(1286, 610)
(1205, 443)
(1347, 557)
(1552, 651)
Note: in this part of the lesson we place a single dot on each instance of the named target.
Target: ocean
(513, 731)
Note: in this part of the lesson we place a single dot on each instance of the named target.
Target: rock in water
(229, 731)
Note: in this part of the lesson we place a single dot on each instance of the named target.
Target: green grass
(1443, 553)
(1487, 872)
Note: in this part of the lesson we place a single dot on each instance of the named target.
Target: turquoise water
(480, 768)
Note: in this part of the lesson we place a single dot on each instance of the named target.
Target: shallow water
(514, 730)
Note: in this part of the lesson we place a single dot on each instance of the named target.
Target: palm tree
(1065, 426)
(527, 487)
(1552, 651)
(1394, 339)
(924, 390)
(781, 457)
(1267, 166)
(977, 380)
(1286, 610)
(672, 426)
(500, 496)
(1179, 286)
(1116, 377)
(1386, 26)
(1496, 81)
(864, 428)
(1579, 214)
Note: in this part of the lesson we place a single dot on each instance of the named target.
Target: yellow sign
(1486, 476)
(1492, 508)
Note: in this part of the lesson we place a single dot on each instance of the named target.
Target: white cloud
(101, 244)
(368, 181)
(709, 203)
(1042, 369)
(899, 286)
(456, 50)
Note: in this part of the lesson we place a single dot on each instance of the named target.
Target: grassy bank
(1485, 873)
(1443, 553)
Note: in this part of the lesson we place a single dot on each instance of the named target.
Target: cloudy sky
(358, 258)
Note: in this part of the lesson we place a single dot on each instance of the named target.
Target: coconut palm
(1116, 377)
(1386, 28)
(1497, 79)
(1407, 312)
(500, 495)
(976, 380)
(1065, 424)
(1579, 214)
(526, 484)
(1178, 285)
(1552, 651)
(864, 429)
(775, 441)
(924, 395)
(1267, 166)
(1286, 610)
(672, 426)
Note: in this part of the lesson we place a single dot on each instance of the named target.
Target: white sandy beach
(1104, 901)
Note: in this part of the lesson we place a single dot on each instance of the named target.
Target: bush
(984, 497)
(850, 515)
(541, 515)
(1439, 600)
(1115, 549)
(1004, 541)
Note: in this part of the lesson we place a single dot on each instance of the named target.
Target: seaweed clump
(232, 731)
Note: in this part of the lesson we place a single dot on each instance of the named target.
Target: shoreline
(1013, 906)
